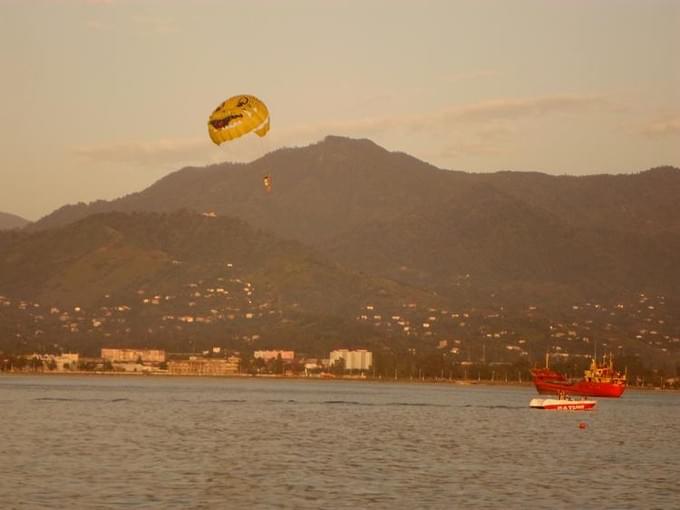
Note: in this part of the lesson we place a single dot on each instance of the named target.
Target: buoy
(582, 425)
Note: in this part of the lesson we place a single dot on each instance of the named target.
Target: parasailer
(267, 182)
(238, 116)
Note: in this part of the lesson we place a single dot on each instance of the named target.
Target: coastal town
(223, 326)
(215, 362)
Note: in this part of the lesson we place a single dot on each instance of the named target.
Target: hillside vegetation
(357, 245)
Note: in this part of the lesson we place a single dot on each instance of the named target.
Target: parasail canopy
(238, 116)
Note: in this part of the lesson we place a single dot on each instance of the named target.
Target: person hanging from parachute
(238, 116)
(267, 182)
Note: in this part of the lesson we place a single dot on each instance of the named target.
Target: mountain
(519, 236)
(181, 278)
(185, 282)
(11, 221)
(357, 246)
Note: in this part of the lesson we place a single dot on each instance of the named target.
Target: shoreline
(455, 382)
(271, 376)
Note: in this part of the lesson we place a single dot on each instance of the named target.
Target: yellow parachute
(237, 116)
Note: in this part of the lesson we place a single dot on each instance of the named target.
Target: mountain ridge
(359, 246)
(11, 221)
(394, 216)
(276, 288)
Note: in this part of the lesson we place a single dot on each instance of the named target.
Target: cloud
(491, 140)
(668, 127)
(155, 24)
(471, 75)
(175, 152)
(479, 128)
(483, 128)
(147, 153)
(479, 148)
(96, 25)
(145, 23)
(512, 109)
(82, 2)
(488, 113)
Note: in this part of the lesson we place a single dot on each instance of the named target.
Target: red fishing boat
(598, 381)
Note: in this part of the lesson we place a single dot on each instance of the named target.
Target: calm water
(154, 442)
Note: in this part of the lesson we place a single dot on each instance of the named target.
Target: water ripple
(212, 443)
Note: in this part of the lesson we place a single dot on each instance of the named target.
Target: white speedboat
(562, 404)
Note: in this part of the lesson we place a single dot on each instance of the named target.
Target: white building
(268, 355)
(127, 355)
(61, 362)
(68, 360)
(205, 366)
(360, 359)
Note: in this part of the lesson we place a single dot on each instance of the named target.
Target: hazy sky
(102, 98)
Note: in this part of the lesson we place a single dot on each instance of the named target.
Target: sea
(179, 442)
